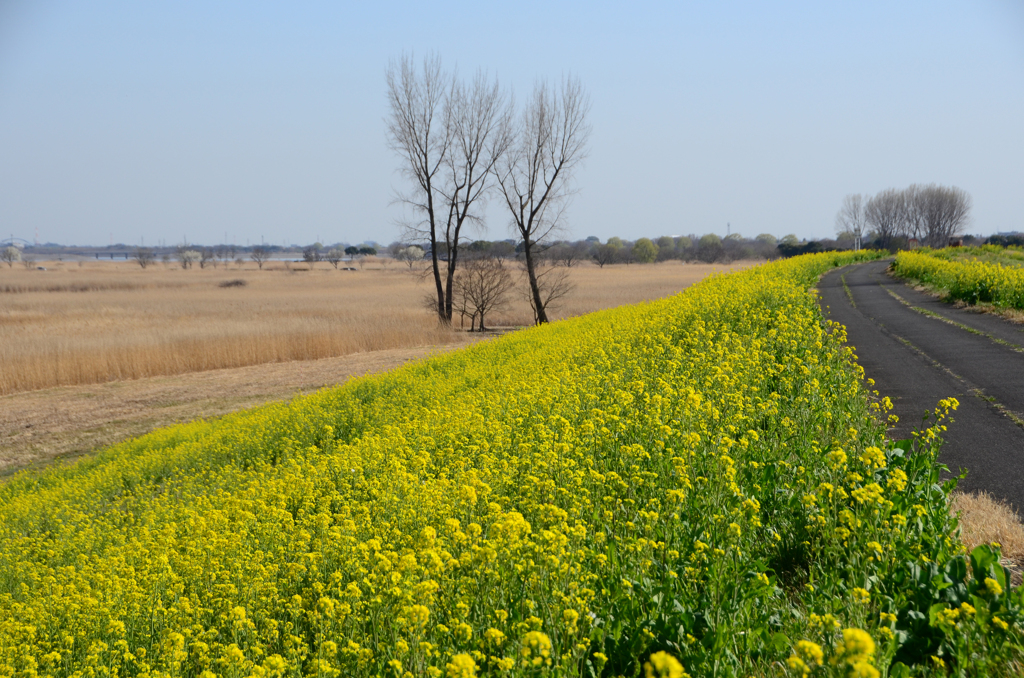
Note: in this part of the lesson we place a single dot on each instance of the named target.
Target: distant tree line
(1006, 240)
(708, 248)
(188, 256)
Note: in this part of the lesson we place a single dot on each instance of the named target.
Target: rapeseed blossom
(565, 501)
(968, 277)
(663, 665)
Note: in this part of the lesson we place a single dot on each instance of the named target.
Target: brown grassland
(110, 321)
(95, 353)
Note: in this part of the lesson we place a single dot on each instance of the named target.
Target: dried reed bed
(108, 321)
(984, 519)
(122, 322)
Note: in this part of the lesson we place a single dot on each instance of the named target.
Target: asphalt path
(920, 350)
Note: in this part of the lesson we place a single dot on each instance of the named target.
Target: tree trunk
(453, 255)
(445, 319)
(538, 305)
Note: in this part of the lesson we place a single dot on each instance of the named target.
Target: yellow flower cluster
(967, 277)
(523, 507)
(853, 656)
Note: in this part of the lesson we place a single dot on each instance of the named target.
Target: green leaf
(906, 444)
(780, 641)
(956, 570)
(981, 558)
(899, 670)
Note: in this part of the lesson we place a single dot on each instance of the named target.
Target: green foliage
(645, 251)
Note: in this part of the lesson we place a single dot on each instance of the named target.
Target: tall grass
(113, 323)
(109, 321)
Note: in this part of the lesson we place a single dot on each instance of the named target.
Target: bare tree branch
(481, 119)
(143, 256)
(420, 133)
(552, 284)
(535, 176)
(449, 136)
(943, 213)
(482, 286)
(931, 214)
(884, 213)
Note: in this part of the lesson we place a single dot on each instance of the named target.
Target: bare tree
(395, 249)
(420, 131)
(185, 256)
(943, 213)
(885, 214)
(207, 257)
(913, 223)
(606, 254)
(333, 256)
(9, 255)
(143, 256)
(259, 254)
(851, 218)
(930, 214)
(481, 118)
(536, 174)
(410, 255)
(568, 254)
(312, 254)
(482, 286)
(450, 136)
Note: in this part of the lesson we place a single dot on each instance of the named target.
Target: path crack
(976, 391)
(949, 321)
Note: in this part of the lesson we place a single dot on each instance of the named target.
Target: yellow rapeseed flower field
(969, 274)
(695, 486)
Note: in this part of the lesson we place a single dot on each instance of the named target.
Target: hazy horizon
(126, 123)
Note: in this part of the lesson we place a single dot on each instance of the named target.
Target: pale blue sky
(129, 120)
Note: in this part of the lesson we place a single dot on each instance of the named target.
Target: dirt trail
(919, 350)
(39, 427)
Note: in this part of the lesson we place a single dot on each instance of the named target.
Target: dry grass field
(110, 321)
(65, 422)
(985, 519)
(96, 353)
